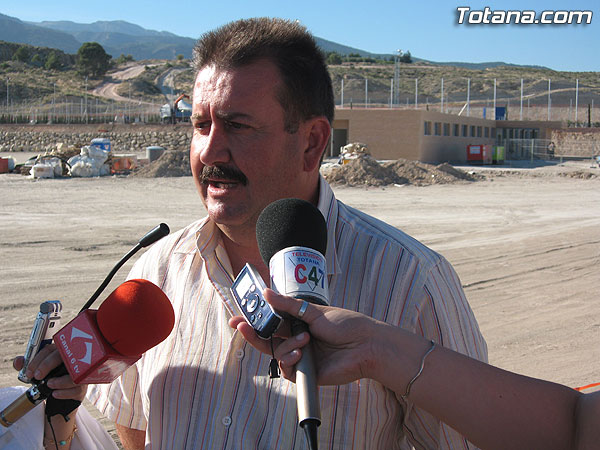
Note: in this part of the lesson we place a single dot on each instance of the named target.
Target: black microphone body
(292, 240)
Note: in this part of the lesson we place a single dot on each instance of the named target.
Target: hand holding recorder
(96, 346)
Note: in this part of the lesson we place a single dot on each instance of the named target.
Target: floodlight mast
(396, 99)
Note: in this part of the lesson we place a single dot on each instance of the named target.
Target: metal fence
(576, 103)
(545, 149)
(76, 111)
(523, 99)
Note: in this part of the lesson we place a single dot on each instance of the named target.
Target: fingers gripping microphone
(292, 240)
(97, 346)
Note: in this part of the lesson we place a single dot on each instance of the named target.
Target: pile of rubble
(169, 164)
(366, 171)
(361, 171)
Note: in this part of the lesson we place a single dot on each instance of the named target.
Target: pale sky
(428, 29)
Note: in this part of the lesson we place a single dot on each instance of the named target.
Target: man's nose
(214, 147)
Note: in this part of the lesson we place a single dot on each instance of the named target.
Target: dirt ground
(524, 241)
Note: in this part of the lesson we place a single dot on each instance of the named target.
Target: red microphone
(97, 346)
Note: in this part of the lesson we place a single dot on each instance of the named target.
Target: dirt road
(108, 89)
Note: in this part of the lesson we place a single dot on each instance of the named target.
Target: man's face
(241, 157)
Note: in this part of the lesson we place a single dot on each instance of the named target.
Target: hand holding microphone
(343, 341)
(292, 240)
(96, 347)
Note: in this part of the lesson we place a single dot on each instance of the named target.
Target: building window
(446, 129)
(479, 132)
(438, 128)
(456, 130)
(427, 128)
(465, 129)
(473, 132)
(486, 132)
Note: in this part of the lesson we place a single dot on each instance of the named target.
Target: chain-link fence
(545, 95)
(76, 110)
(545, 149)
(471, 93)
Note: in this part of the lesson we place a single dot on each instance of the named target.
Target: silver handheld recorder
(247, 292)
(46, 324)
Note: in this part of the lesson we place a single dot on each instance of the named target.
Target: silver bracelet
(410, 383)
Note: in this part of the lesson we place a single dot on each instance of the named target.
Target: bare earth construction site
(525, 243)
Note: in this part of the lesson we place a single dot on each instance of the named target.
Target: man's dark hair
(306, 91)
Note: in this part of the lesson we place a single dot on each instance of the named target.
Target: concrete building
(427, 136)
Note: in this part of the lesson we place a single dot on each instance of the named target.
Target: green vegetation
(92, 60)
(22, 54)
(53, 62)
(334, 58)
(123, 59)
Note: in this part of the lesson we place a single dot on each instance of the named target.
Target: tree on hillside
(53, 62)
(334, 58)
(92, 59)
(406, 57)
(123, 59)
(22, 54)
(36, 60)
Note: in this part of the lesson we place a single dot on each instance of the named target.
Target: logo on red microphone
(78, 341)
(88, 342)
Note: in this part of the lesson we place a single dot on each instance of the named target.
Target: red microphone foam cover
(135, 317)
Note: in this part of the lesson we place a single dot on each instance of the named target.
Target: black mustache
(226, 173)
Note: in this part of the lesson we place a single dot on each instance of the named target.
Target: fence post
(532, 147)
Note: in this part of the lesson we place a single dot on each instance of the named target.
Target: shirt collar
(328, 206)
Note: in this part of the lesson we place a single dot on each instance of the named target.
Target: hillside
(32, 90)
(14, 30)
(117, 37)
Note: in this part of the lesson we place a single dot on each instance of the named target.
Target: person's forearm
(493, 408)
(131, 438)
(63, 432)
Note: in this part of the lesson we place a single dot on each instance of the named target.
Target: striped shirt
(204, 387)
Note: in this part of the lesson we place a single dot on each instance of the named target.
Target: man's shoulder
(181, 238)
(180, 241)
(363, 225)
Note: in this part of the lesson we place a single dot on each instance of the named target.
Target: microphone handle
(54, 405)
(307, 391)
(35, 395)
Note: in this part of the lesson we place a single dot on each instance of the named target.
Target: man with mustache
(262, 111)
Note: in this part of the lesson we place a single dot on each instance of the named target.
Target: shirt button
(239, 354)
(226, 421)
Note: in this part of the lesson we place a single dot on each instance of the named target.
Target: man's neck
(240, 243)
(240, 253)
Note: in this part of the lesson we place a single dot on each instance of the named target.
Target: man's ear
(318, 132)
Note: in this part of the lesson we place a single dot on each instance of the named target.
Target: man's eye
(201, 125)
(236, 125)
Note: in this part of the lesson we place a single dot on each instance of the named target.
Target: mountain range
(120, 37)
